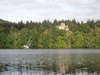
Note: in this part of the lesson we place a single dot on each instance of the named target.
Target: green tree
(89, 41)
(60, 43)
(84, 28)
(68, 39)
(2, 41)
(90, 23)
(14, 38)
(77, 41)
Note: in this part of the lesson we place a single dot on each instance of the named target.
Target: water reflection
(49, 63)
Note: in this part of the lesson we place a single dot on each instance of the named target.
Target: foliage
(46, 35)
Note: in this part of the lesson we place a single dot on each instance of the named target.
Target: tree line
(45, 35)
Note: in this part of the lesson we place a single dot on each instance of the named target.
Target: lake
(49, 62)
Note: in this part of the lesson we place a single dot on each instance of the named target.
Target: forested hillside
(45, 35)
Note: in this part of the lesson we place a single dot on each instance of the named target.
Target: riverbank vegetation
(45, 35)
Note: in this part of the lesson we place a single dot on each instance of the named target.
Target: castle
(63, 27)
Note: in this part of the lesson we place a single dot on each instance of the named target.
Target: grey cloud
(50, 9)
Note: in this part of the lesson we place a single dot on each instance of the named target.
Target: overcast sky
(39, 10)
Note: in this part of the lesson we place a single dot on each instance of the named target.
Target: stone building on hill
(63, 27)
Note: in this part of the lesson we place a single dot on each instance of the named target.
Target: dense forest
(45, 35)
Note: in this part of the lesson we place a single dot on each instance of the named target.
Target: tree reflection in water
(52, 64)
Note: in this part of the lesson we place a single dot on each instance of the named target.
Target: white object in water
(25, 46)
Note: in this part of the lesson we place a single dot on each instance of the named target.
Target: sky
(39, 10)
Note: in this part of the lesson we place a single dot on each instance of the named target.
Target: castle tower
(62, 24)
(63, 27)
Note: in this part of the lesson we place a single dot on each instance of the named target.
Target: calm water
(49, 62)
